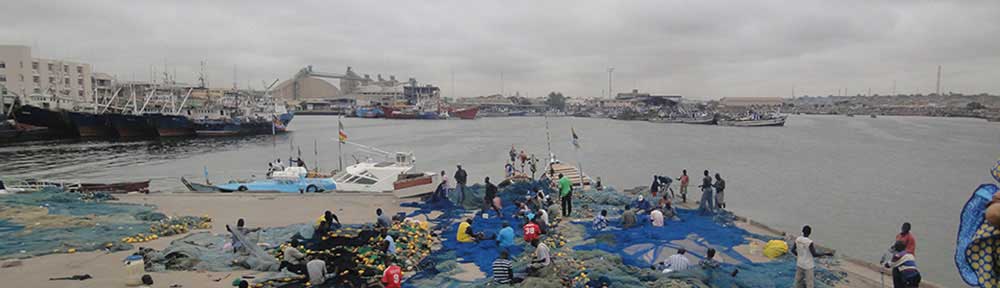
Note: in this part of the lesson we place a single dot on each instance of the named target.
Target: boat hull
(123, 187)
(41, 117)
(216, 127)
(754, 123)
(90, 124)
(369, 112)
(172, 125)
(465, 114)
(393, 113)
(131, 126)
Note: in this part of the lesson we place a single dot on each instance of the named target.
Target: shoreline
(225, 208)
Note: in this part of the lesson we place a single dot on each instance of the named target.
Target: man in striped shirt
(503, 272)
(676, 262)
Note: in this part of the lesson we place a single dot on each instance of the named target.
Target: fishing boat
(131, 125)
(122, 187)
(172, 125)
(710, 120)
(369, 112)
(665, 120)
(198, 187)
(575, 176)
(873, 116)
(41, 116)
(465, 113)
(387, 176)
(87, 124)
(217, 127)
(399, 113)
(778, 121)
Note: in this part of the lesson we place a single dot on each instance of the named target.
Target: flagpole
(340, 144)
(316, 155)
(576, 149)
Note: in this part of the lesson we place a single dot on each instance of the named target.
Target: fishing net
(53, 221)
(214, 252)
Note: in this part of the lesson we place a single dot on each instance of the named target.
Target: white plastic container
(135, 267)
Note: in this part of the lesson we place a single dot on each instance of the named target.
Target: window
(3, 78)
(52, 80)
(79, 82)
(65, 68)
(35, 78)
(66, 81)
(79, 92)
(50, 67)
(3, 91)
(79, 69)
(3, 65)
(34, 65)
(38, 90)
(22, 79)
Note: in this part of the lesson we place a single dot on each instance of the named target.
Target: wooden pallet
(570, 171)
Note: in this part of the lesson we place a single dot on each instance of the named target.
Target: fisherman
(720, 189)
(503, 270)
(531, 231)
(541, 258)
(566, 194)
(508, 169)
(524, 158)
(904, 267)
(542, 218)
(460, 177)
(628, 217)
(505, 237)
(677, 262)
(392, 277)
(331, 219)
(656, 218)
(706, 205)
(242, 230)
(512, 153)
(539, 200)
(684, 185)
(301, 163)
(533, 165)
(805, 252)
(907, 238)
(523, 210)
(383, 221)
(465, 233)
(390, 244)
(293, 258)
(709, 262)
(655, 187)
(667, 207)
(601, 221)
(642, 204)
(490, 200)
(441, 193)
(317, 271)
(665, 185)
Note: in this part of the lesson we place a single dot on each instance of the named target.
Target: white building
(22, 74)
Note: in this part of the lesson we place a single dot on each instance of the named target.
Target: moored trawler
(171, 125)
(88, 124)
(41, 117)
(129, 125)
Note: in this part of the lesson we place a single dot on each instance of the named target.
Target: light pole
(611, 70)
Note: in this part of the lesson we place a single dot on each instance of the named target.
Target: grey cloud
(702, 49)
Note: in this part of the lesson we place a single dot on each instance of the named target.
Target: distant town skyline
(698, 49)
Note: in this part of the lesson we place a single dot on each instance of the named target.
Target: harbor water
(855, 180)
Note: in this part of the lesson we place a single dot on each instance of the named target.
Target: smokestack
(938, 89)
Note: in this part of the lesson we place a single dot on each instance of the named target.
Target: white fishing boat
(778, 121)
(391, 175)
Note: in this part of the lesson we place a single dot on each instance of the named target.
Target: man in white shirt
(317, 271)
(676, 262)
(805, 265)
(542, 258)
(656, 217)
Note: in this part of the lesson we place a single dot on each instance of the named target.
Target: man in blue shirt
(505, 238)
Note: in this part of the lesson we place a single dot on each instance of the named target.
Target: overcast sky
(699, 49)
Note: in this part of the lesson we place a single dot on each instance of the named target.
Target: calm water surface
(855, 180)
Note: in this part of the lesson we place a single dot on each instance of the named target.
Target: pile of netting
(646, 245)
(53, 221)
(354, 255)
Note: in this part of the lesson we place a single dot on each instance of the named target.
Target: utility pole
(501, 85)
(611, 71)
(938, 89)
(893, 87)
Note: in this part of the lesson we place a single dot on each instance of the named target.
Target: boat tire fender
(242, 188)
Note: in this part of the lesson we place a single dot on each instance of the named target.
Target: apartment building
(23, 74)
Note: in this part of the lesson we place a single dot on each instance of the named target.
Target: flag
(343, 135)
(576, 139)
